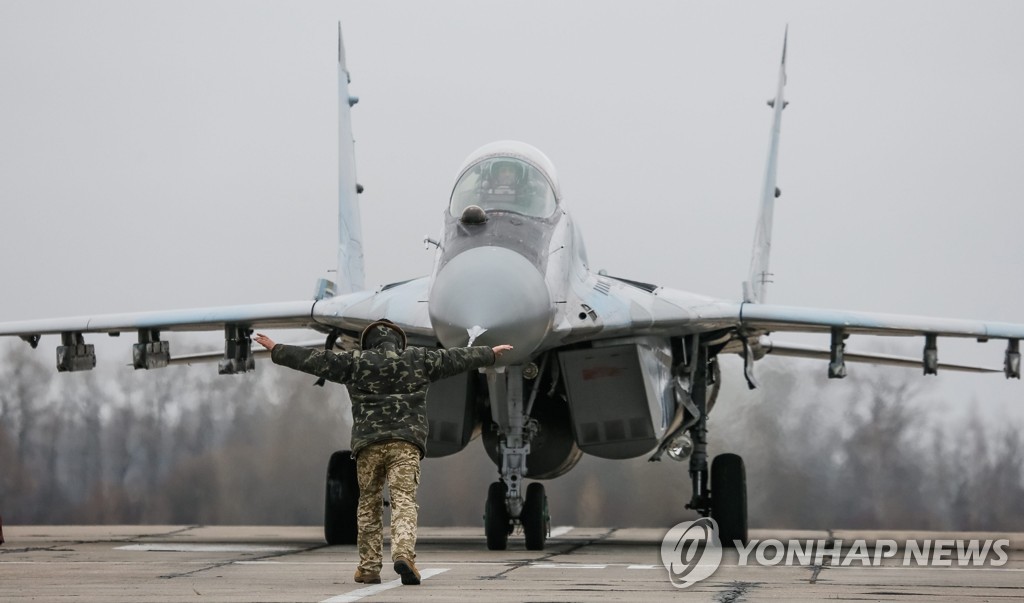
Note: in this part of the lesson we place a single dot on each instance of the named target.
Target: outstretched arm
(264, 341)
(321, 363)
(500, 349)
(448, 363)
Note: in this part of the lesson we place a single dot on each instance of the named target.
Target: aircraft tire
(341, 500)
(535, 517)
(729, 498)
(496, 519)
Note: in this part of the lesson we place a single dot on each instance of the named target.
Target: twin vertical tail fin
(754, 288)
(351, 273)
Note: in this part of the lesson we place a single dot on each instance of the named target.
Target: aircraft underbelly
(452, 416)
(619, 397)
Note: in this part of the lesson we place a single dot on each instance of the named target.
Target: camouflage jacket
(388, 389)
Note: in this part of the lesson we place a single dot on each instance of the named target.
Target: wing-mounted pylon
(756, 283)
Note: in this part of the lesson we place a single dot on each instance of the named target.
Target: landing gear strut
(724, 495)
(506, 507)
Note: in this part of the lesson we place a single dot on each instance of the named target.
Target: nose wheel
(535, 519)
(497, 522)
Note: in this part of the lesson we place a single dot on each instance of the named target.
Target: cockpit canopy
(504, 183)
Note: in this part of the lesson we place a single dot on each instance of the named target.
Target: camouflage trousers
(398, 463)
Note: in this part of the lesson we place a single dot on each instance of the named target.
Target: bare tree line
(178, 445)
(183, 445)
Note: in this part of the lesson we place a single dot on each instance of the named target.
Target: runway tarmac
(91, 564)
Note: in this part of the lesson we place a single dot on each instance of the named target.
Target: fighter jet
(602, 364)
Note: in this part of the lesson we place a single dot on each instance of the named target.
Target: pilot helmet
(381, 332)
(514, 166)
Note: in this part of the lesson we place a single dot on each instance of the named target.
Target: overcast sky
(158, 155)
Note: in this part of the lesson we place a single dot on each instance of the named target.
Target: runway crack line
(568, 551)
(579, 545)
(735, 593)
(59, 548)
(816, 568)
(250, 559)
(181, 530)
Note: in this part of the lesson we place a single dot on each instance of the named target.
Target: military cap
(382, 329)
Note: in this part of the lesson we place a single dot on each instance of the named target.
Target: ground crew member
(387, 383)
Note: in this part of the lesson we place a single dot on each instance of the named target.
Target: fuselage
(508, 253)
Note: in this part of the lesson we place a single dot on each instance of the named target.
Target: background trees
(183, 445)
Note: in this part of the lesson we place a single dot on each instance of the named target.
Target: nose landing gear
(505, 507)
(534, 517)
(497, 522)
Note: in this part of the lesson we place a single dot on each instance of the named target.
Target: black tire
(535, 517)
(496, 520)
(341, 500)
(729, 498)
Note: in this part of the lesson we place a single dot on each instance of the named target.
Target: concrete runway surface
(271, 563)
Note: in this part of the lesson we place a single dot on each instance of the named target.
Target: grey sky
(164, 155)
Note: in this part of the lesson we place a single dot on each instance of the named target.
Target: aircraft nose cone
(495, 294)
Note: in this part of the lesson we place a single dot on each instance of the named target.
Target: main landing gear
(729, 499)
(341, 500)
(725, 497)
(506, 506)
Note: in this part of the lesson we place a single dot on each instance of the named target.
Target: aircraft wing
(796, 350)
(297, 314)
(201, 357)
(403, 302)
(793, 318)
(612, 307)
(636, 307)
(237, 323)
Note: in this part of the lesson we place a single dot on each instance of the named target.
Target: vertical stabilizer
(757, 282)
(351, 274)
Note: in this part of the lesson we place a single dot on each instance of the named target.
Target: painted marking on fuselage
(474, 332)
(601, 372)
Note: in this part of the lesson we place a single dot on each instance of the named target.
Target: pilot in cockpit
(504, 178)
(504, 184)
